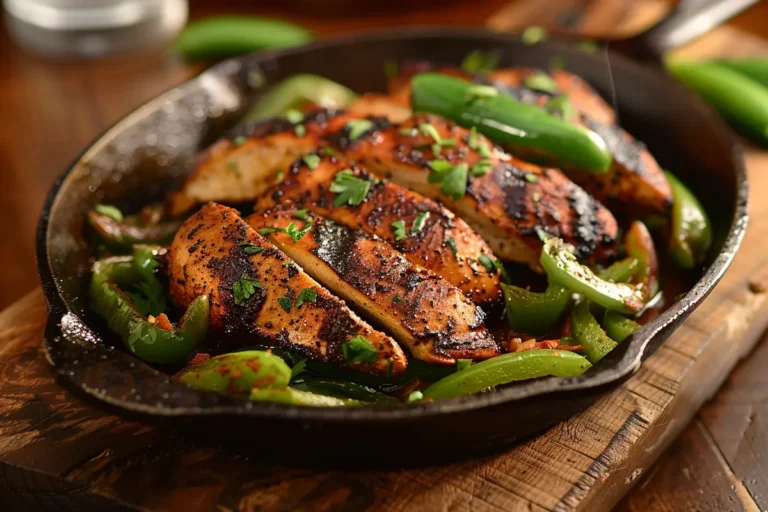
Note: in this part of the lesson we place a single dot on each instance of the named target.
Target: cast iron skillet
(139, 158)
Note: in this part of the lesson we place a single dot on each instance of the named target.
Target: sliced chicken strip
(430, 235)
(423, 311)
(255, 289)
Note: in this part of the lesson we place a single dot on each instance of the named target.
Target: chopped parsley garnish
(473, 141)
(238, 141)
(291, 230)
(419, 221)
(397, 299)
(113, 212)
(534, 34)
(462, 364)
(350, 189)
(484, 151)
(359, 350)
(327, 151)
(490, 265)
(301, 215)
(431, 131)
(481, 168)
(560, 106)
(531, 178)
(298, 368)
(436, 149)
(479, 62)
(244, 288)
(293, 116)
(312, 161)
(415, 396)
(452, 178)
(300, 131)
(250, 249)
(480, 92)
(232, 165)
(407, 132)
(452, 244)
(279, 175)
(306, 295)
(536, 197)
(540, 81)
(398, 227)
(285, 303)
(358, 127)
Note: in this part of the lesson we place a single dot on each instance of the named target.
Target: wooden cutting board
(59, 452)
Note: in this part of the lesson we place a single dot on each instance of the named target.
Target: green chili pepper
(588, 333)
(292, 396)
(526, 130)
(231, 35)
(618, 327)
(237, 373)
(532, 312)
(341, 389)
(507, 368)
(742, 101)
(561, 265)
(120, 236)
(755, 68)
(691, 231)
(293, 92)
(147, 340)
(621, 271)
(639, 245)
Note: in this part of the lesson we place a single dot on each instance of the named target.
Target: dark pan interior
(144, 154)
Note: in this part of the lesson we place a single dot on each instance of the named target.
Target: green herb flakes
(327, 151)
(232, 165)
(299, 130)
(244, 288)
(531, 178)
(481, 168)
(293, 116)
(250, 249)
(452, 244)
(536, 197)
(561, 107)
(540, 81)
(349, 188)
(358, 127)
(534, 34)
(398, 228)
(113, 212)
(452, 178)
(238, 141)
(285, 303)
(312, 161)
(306, 295)
(419, 222)
(397, 299)
(490, 265)
(359, 350)
(480, 62)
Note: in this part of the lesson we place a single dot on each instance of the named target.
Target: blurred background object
(93, 28)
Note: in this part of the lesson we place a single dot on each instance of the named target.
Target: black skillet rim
(630, 361)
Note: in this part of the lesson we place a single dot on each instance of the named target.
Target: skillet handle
(687, 21)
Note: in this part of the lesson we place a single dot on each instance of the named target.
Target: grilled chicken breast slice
(432, 237)
(380, 105)
(253, 289)
(512, 206)
(423, 311)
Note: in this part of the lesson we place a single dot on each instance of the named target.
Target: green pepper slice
(741, 100)
(589, 334)
(341, 389)
(618, 327)
(293, 92)
(621, 271)
(507, 368)
(755, 68)
(237, 373)
(533, 312)
(121, 236)
(526, 130)
(691, 231)
(639, 245)
(231, 35)
(147, 340)
(561, 265)
(293, 396)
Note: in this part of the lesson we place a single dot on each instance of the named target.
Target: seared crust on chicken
(443, 243)
(422, 310)
(253, 289)
(372, 104)
(512, 206)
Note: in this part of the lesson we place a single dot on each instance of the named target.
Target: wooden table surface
(53, 108)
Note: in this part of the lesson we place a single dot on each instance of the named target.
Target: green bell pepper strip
(507, 368)
(691, 231)
(341, 389)
(297, 90)
(755, 68)
(621, 271)
(147, 340)
(293, 396)
(742, 101)
(121, 236)
(237, 373)
(526, 130)
(220, 36)
(588, 333)
(618, 327)
(639, 245)
(533, 312)
(561, 266)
